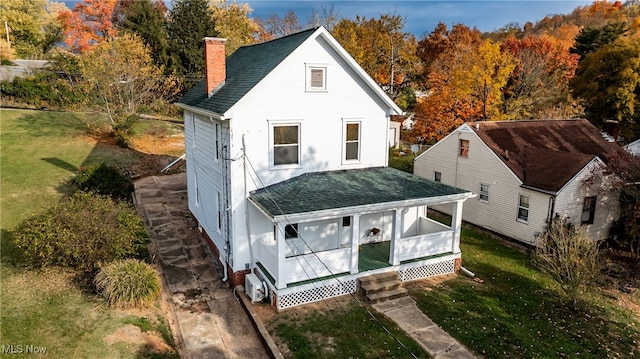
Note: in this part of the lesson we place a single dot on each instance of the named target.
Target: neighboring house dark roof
(545, 154)
(245, 68)
(319, 191)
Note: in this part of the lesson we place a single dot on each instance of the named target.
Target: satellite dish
(415, 149)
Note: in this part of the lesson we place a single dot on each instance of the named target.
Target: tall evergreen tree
(190, 21)
(591, 38)
(146, 19)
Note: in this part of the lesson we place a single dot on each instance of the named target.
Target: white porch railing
(305, 267)
(432, 238)
(317, 265)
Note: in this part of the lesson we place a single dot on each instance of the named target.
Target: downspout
(246, 206)
(552, 204)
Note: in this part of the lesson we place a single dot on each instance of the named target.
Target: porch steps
(381, 287)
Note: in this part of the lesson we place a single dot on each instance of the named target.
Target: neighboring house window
(291, 231)
(588, 210)
(464, 148)
(346, 221)
(286, 145)
(523, 208)
(352, 141)
(484, 192)
(437, 176)
(316, 78)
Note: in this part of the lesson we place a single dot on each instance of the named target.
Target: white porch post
(355, 243)
(281, 282)
(456, 225)
(394, 255)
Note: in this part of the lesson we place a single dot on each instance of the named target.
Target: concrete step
(379, 278)
(375, 287)
(386, 295)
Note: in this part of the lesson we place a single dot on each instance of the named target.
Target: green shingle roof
(319, 191)
(245, 68)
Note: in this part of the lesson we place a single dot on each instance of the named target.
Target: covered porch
(351, 223)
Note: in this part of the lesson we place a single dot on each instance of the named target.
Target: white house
(287, 145)
(526, 172)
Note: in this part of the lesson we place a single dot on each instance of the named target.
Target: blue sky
(422, 16)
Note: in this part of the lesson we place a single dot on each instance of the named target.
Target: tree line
(128, 53)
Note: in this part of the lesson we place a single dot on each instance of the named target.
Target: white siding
(499, 214)
(282, 95)
(570, 200)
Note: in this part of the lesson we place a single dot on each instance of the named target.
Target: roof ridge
(280, 38)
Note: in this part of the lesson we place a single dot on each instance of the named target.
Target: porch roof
(331, 190)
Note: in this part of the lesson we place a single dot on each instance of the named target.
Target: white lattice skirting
(427, 270)
(318, 293)
(321, 290)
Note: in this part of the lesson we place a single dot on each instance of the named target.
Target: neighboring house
(394, 134)
(526, 172)
(633, 147)
(286, 145)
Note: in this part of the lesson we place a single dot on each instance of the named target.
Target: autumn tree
(189, 22)
(33, 26)
(608, 80)
(382, 48)
(442, 109)
(123, 78)
(146, 18)
(89, 23)
(233, 23)
(481, 75)
(539, 85)
(326, 17)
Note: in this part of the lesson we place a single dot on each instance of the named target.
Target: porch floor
(374, 256)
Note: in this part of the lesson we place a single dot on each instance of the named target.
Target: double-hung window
(588, 210)
(352, 141)
(523, 208)
(464, 148)
(286, 144)
(484, 192)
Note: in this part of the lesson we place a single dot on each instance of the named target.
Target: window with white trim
(588, 210)
(464, 148)
(352, 141)
(523, 208)
(286, 144)
(484, 192)
(316, 78)
(437, 176)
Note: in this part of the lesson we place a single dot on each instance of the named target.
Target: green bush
(82, 232)
(128, 283)
(43, 89)
(105, 180)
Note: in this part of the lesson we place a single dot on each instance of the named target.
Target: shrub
(82, 232)
(128, 283)
(43, 88)
(104, 180)
(569, 256)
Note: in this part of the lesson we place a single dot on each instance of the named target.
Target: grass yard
(339, 328)
(40, 152)
(516, 313)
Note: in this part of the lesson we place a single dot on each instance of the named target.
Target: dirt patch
(131, 334)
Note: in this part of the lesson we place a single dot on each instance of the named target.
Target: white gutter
(200, 111)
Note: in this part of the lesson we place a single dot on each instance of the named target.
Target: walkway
(440, 345)
(207, 319)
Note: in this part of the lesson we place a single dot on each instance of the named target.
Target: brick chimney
(215, 70)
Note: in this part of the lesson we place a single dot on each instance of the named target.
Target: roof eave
(367, 208)
(200, 111)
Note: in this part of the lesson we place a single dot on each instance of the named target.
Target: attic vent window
(316, 78)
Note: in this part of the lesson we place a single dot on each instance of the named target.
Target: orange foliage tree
(89, 23)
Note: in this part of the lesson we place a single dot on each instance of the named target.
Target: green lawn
(345, 331)
(40, 151)
(516, 313)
